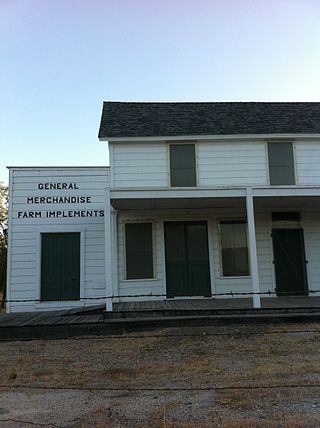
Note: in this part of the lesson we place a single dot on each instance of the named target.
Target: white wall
(139, 164)
(227, 163)
(154, 286)
(24, 246)
(220, 284)
(218, 164)
(231, 163)
(264, 255)
(311, 226)
(307, 154)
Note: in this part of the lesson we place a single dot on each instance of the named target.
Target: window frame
(232, 221)
(184, 143)
(285, 224)
(293, 159)
(154, 265)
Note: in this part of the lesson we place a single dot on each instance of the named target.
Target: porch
(272, 260)
(215, 306)
(149, 315)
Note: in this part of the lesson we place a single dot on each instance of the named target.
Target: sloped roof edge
(148, 119)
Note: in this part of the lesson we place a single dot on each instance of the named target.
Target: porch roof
(178, 203)
(166, 198)
(216, 203)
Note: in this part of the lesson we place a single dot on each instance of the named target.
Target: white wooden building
(200, 199)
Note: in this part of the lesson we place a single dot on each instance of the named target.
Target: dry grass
(243, 356)
(201, 361)
(293, 421)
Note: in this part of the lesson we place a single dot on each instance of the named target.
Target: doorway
(187, 259)
(60, 266)
(289, 262)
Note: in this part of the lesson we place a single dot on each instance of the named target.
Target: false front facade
(201, 200)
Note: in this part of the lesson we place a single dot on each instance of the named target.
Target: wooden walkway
(214, 304)
(146, 314)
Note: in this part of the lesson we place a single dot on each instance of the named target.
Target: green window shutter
(70, 267)
(60, 266)
(234, 249)
(183, 165)
(281, 164)
(50, 267)
(139, 251)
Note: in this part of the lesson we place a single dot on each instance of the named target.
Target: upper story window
(281, 164)
(183, 165)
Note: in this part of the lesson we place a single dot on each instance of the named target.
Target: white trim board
(209, 137)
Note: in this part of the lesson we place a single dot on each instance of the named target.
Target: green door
(60, 266)
(187, 259)
(289, 262)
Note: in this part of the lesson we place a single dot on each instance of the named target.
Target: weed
(12, 375)
(119, 373)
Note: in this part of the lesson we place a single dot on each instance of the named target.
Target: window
(234, 248)
(182, 165)
(139, 253)
(281, 166)
(286, 216)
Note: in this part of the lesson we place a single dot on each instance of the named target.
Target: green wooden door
(60, 266)
(289, 262)
(187, 259)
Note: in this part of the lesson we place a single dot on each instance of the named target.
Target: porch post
(108, 250)
(114, 253)
(253, 249)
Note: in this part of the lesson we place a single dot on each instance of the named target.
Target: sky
(60, 59)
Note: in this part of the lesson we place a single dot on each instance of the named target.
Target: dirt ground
(234, 376)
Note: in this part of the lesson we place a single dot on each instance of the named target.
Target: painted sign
(48, 199)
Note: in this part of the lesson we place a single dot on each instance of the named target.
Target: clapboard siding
(264, 251)
(134, 287)
(218, 163)
(220, 284)
(25, 238)
(311, 226)
(308, 162)
(243, 284)
(23, 243)
(27, 249)
(57, 172)
(231, 163)
(225, 163)
(139, 165)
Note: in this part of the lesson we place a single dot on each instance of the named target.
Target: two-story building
(200, 200)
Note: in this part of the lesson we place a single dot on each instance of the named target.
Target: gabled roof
(139, 119)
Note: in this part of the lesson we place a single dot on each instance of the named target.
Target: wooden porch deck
(217, 304)
(127, 316)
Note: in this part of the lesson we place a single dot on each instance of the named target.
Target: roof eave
(212, 137)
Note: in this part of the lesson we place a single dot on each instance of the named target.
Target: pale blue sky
(59, 59)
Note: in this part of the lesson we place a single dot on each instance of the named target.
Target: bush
(3, 237)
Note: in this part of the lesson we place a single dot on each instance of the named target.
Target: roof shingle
(138, 119)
